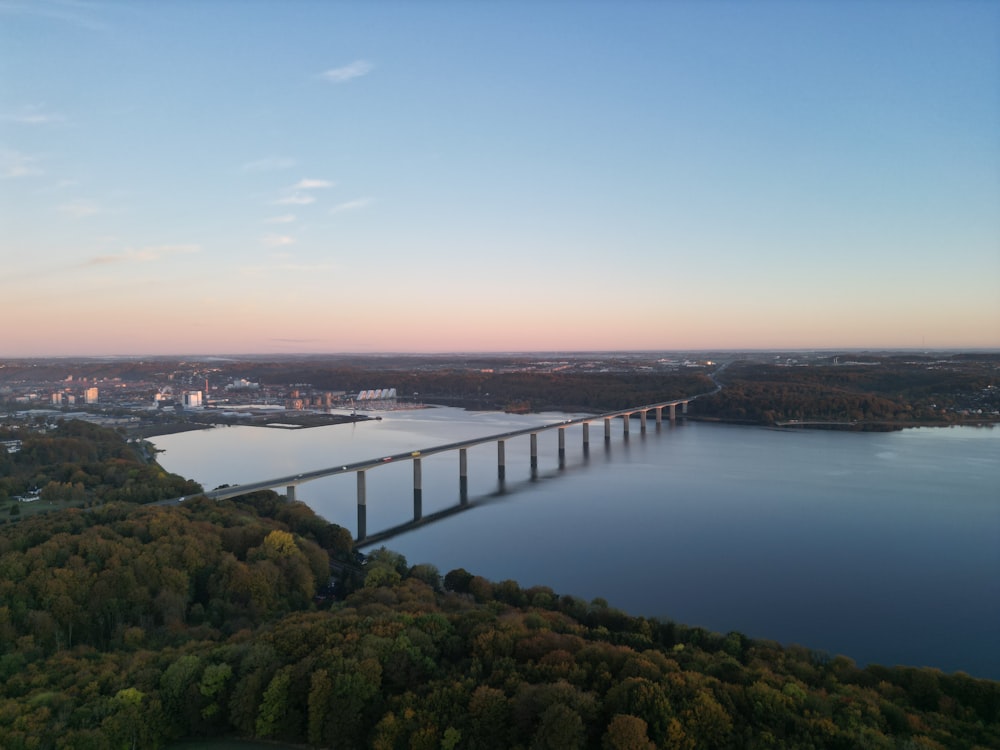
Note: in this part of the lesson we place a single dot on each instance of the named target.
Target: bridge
(360, 468)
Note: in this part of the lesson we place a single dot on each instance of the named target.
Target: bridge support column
(534, 453)
(642, 420)
(625, 421)
(562, 447)
(501, 460)
(607, 429)
(684, 408)
(418, 490)
(586, 437)
(362, 507)
(463, 475)
(290, 493)
(673, 412)
(659, 415)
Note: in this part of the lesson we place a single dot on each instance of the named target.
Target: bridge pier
(673, 412)
(534, 454)
(642, 420)
(463, 475)
(607, 429)
(562, 447)
(586, 437)
(659, 415)
(362, 507)
(418, 491)
(290, 493)
(684, 407)
(625, 420)
(501, 461)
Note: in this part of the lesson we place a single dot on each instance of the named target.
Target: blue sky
(224, 177)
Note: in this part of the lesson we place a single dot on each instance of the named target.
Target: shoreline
(873, 426)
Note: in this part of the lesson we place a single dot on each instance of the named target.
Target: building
(90, 395)
(192, 400)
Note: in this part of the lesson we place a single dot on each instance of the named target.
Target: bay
(879, 546)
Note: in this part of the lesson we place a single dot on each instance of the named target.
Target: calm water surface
(881, 546)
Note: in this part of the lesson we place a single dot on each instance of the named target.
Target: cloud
(346, 73)
(307, 184)
(17, 164)
(277, 240)
(32, 115)
(142, 254)
(283, 219)
(269, 164)
(355, 205)
(80, 208)
(296, 199)
(66, 12)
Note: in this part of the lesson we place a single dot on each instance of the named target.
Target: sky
(223, 177)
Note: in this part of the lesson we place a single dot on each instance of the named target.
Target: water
(884, 547)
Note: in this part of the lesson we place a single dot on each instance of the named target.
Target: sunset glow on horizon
(232, 178)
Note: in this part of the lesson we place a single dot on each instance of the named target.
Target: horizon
(297, 179)
(515, 353)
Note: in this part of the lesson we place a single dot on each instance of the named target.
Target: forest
(72, 462)
(125, 625)
(888, 394)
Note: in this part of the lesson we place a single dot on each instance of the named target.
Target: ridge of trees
(890, 394)
(136, 626)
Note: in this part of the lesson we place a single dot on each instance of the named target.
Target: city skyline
(226, 178)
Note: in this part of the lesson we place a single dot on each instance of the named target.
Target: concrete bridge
(360, 468)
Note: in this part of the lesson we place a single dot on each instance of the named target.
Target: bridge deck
(294, 480)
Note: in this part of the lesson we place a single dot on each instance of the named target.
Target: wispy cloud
(307, 184)
(142, 254)
(346, 73)
(296, 199)
(80, 208)
(269, 164)
(66, 11)
(283, 219)
(18, 164)
(32, 114)
(355, 205)
(277, 240)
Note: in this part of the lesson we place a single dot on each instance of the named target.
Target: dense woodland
(125, 626)
(889, 393)
(75, 462)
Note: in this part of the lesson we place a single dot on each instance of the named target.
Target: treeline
(78, 462)
(527, 391)
(133, 627)
(893, 393)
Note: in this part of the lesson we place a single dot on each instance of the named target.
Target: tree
(125, 724)
(561, 728)
(273, 711)
(212, 686)
(320, 694)
(627, 733)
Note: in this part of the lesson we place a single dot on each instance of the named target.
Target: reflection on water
(881, 546)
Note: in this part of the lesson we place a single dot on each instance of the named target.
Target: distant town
(147, 396)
